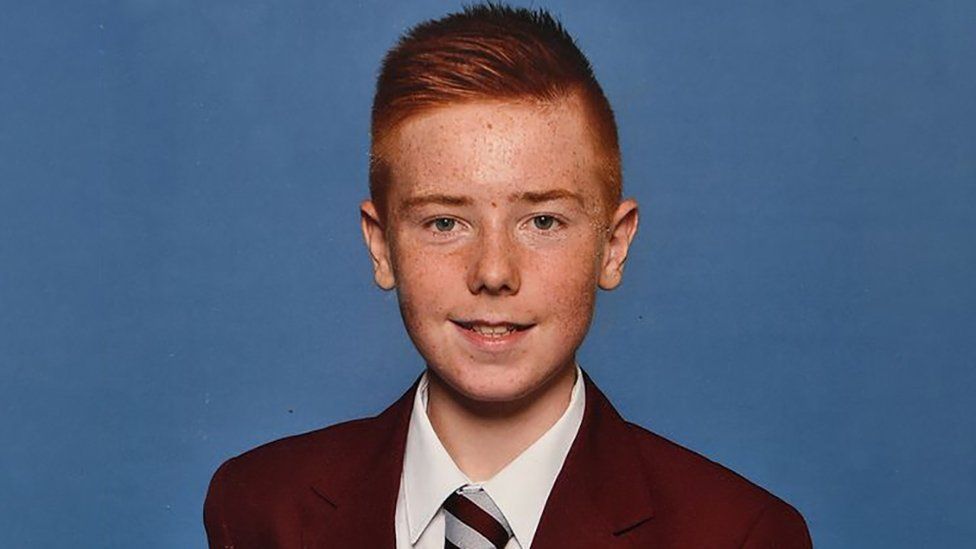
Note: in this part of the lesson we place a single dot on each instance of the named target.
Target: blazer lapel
(363, 498)
(600, 494)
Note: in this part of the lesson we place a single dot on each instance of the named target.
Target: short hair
(487, 52)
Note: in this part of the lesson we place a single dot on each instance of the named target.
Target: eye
(444, 224)
(544, 222)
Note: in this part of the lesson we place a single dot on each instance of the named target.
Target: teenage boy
(496, 214)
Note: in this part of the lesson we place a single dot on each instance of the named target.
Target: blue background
(182, 277)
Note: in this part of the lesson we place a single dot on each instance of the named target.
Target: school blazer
(620, 486)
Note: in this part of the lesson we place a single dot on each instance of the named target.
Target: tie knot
(473, 521)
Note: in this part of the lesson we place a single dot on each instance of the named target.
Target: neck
(483, 437)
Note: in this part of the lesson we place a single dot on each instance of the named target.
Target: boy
(495, 213)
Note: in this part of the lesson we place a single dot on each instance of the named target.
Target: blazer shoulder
(270, 487)
(687, 483)
(297, 458)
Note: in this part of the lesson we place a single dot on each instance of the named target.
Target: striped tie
(473, 521)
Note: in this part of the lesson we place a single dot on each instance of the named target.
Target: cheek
(422, 282)
(570, 286)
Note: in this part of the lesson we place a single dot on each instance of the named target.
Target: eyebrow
(546, 196)
(436, 198)
(534, 197)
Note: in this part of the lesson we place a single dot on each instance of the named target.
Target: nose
(494, 265)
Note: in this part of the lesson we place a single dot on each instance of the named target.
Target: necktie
(473, 521)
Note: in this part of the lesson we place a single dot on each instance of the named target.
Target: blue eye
(444, 224)
(543, 222)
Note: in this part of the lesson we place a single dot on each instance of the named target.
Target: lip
(492, 344)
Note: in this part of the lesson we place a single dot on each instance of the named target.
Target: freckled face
(496, 239)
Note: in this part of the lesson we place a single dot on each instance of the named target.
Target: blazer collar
(363, 484)
(599, 494)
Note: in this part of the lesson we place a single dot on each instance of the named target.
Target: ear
(379, 247)
(621, 231)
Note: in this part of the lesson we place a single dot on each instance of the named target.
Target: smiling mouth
(492, 329)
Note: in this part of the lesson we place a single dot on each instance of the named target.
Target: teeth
(492, 331)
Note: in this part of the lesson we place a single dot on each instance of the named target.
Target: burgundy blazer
(620, 486)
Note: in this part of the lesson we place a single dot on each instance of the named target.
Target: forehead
(486, 147)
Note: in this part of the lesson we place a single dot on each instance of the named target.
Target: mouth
(491, 329)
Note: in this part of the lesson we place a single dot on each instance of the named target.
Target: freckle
(493, 205)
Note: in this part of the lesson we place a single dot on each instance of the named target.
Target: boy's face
(496, 239)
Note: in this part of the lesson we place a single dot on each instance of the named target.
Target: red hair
(487, 52)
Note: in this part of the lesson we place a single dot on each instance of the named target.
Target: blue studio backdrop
(182, 276)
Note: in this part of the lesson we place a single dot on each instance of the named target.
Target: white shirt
(520, 490)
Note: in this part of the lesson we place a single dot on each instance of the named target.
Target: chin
(489, 383)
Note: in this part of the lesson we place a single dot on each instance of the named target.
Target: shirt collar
(520, 489)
